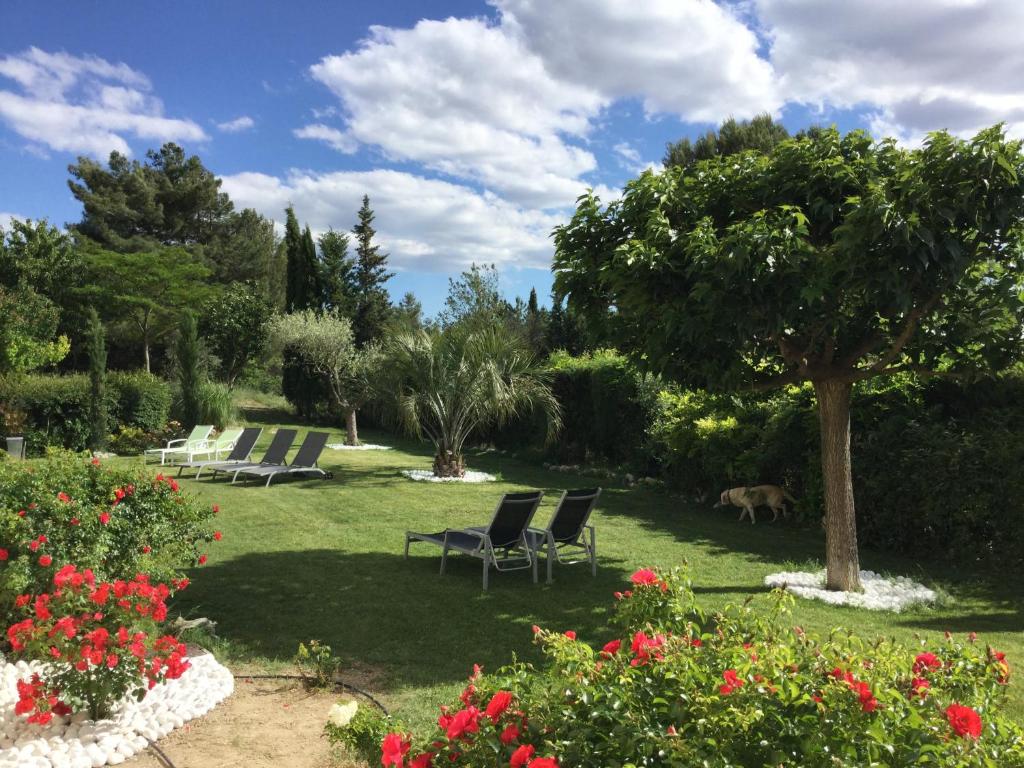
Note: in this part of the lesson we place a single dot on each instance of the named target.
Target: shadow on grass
(400, 616)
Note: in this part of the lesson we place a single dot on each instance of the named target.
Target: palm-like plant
(449, 383)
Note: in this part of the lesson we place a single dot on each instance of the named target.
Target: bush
(744, 687)
(54, 410)
(116, 522)
(216, 404)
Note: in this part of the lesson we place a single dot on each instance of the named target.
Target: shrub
(116, 522)
(216, 404)
(361, 732)
(317, 665)
(143, 400)
(98, 639)
(744, 687)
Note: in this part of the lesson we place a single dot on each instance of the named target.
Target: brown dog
(747, 499)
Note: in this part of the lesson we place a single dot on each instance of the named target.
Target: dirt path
(264, 724)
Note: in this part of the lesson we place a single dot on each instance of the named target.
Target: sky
(472, 126)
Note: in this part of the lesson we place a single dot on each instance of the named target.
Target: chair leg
(593, 552)
(444, 558)
(406, 547)
(487, 566)
(533, 558)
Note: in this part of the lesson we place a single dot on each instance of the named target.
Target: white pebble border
(360, 447)
(425, 475)
(77, 742)
(881, 593)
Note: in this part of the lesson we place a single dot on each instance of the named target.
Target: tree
(337, 276)
(565, 329)
(302, 291)
(97, 351)
(373, 302)
(408, 313)
(170, 199)
(244, 250)
(536, 325)
(190, 374)
(474, 298)
(447, 384)
(325, 343)
(832, 260)
(28, 331)
(234, 325)
(147, 288)
(760, 133)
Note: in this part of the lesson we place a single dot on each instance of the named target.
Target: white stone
(425, 475)
(880, 593)
(360, 447)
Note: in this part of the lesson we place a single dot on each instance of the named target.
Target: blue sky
(472, 125)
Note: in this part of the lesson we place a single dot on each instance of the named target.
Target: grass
(323, 559)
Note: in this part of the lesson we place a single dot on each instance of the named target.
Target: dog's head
(723, 500)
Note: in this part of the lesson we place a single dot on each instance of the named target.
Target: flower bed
(425, 475)
(880, 593)
(76, 742)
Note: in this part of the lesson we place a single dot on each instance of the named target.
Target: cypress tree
(189, 374)
(373, 303)
(295, 279)
(302, 291)
(96, 348)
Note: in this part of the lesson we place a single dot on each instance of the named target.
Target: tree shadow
(400, 616)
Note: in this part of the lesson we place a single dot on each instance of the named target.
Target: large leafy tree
(474, 298)
(145, 289)
(234, 325)
(371, 276)
(28, 331)
(832, 259)
(324, 342)
(760, 133)
(447, 384)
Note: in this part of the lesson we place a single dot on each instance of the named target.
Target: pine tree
(536, 325)
(313, 286)
(189, 373)
(373, 302)
(337, 273)
(409, 312)
(97, 351)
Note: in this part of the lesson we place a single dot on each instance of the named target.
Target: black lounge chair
(304, 462)
(239, 454)
(506, 532)
(569, 529)
(277, 453)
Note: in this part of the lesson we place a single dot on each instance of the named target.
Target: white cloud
(84, 104)
(425, 224)
(239, 124)
(912, 67)
(5, 219)
(334, 138)
(691, 58)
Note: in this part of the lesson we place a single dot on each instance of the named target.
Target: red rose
(74, 521)
(732, 682)
(536, 629)
(464, 721)
(644, 577)
(421, 761)
(510, 734)
(4, 554)
(104, 517)
(964, 721)
(919, 687)
(202, 559)
(64, 497)
(924, 662)
(570, 634)
(216, 508)
(147, 549)
(498, 704)
(216, 535)
(393, 749)
(611, 648)
(45, 561)
(521, 756)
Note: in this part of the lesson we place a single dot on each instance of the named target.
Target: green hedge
(56, 408)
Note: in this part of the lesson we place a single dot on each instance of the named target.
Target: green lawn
(323, 559)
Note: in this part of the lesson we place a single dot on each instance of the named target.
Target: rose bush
(99, 639)
(117, 522)
(744, 687)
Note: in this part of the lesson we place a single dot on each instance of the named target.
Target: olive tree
(829, 259)
(324, 342)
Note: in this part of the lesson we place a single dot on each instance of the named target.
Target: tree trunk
(841, 557)
(351, 430)
(145, 351)
(449, 464)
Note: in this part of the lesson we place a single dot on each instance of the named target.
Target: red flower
(463, 722)
(610, 649)
(521, 756)
(45, 561)
(216, 535)
(216, 508)
(645, 577)
(104, 517)
(498, 704)
(535, 629)
(925, 662)
(95, 461)
(73, 521)
(33, 546)
(1002, 666)
(570, 634)
(393, 749)
(421, 761)
(646, 648)
(964, 721)
(732, 682)
(147, 549)
(919, 687)
(202, 559)
(64, 497)
(510, 734)
(544, 762)
(4, 554)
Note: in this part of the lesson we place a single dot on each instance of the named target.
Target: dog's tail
(786, 494)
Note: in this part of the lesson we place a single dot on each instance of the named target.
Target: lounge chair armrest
(485, 540)
(176, 443)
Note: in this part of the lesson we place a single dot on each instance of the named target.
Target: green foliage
(142, 399)
(361, 736)
(338, 270)
(38, 254)
(408, 313)
(760, 133)
(28, 331)
(317, 665)
(474, 299)
(233, 325)
(371, 275)
(97, 350)
(116, 521)
(742, 687)
(244, 249)
(190, 375)
(215, 404)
